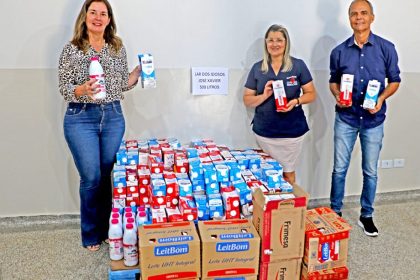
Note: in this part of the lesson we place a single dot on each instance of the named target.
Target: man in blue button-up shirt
(367, 57)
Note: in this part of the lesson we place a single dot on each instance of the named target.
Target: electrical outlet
(399, 162)
(387, 163)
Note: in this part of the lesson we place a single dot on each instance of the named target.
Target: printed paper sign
(208, 81)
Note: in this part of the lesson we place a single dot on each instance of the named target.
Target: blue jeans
(371, 144)
(93, 133)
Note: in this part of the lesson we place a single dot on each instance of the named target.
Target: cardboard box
(281, 224)
(326, 239)
(233, 278)
(281, 270)
(169, 251)
(229, 248)
(338, 273)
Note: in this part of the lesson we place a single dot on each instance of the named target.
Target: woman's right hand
(89, 88)
(268, 89)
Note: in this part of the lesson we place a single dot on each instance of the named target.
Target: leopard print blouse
(73, 70)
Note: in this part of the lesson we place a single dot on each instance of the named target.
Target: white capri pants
(284, 150)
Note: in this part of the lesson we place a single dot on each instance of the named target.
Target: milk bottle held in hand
(131, 253)
(115, 236)
(96, 72)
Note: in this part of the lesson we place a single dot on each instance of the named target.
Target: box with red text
(283, 269)
(280, 221)
(338, 273)
(326, 240)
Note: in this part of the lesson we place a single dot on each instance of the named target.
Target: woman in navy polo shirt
(279, 132)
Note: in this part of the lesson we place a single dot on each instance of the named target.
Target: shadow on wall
(315, 167)
(59, 155)
(67, 174)
(253, 54)
(246, 138)
(142, 115)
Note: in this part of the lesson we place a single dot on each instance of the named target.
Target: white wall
(185, 33)
(38, 175)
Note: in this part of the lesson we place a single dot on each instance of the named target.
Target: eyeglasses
(97, 13)
(275, 41)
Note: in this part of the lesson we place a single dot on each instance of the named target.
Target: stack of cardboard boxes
(284, 232)
(280, 221)
(326, 245)
(227, 249)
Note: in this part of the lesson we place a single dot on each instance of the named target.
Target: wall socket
(391, 163)
(387, 163)
(399, 162)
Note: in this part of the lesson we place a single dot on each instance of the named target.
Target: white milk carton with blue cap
(372, 93)
(148, 76)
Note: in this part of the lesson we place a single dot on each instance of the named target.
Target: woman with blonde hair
(279, 132)
(93, 128)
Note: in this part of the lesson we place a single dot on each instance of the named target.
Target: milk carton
(174, 215)
(279, 95)
(215, 204)
(222, 173)
(346, 89)
(203, 211)
(148, 77)
(372, 93)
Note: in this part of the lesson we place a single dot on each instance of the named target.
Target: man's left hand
(377, 107)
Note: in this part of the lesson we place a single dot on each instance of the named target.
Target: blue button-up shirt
(377, 60)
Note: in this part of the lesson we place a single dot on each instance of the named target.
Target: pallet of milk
(148, 76)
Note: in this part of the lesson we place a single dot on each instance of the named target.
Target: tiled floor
(48, 247)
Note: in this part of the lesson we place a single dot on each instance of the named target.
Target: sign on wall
(209, 80)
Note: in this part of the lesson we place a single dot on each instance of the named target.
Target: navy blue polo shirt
(377, 60)
(267, 121)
